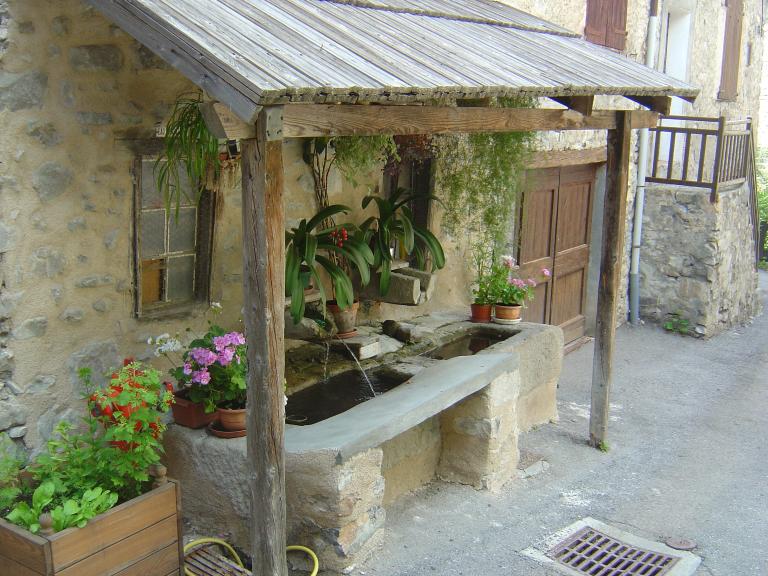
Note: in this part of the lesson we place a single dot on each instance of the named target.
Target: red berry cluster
(340, 236)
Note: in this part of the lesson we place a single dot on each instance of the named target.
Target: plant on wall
(190, 152)
(479, 179)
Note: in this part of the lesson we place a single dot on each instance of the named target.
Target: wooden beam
(554, 158)
(660, 104)
(614, 226)
(312, 120)
(263, 297)
(581, 104)
(224, 123)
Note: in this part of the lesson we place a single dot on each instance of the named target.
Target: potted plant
(71, 510)
(214, 373)
(394, 226)
(511, 291)
(483, 297)
(315, 248)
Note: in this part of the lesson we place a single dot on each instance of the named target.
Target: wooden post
(263, 299)
(614, 227)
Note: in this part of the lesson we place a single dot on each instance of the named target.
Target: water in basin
(468, 344)
(338, 394)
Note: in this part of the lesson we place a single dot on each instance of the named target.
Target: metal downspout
(652, 43)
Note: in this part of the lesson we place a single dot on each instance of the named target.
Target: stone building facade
(80, 100)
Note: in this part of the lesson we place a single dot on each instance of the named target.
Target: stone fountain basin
(457, 420)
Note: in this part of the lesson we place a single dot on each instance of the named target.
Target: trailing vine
(479, 178)
(189, 150)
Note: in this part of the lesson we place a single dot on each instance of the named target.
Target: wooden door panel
(567, 297)
(573, 214)
(536, 310)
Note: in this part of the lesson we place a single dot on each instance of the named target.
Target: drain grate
(589, 551)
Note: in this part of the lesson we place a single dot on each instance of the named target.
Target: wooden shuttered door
(555, 234)
(607, 23)
(729, 75)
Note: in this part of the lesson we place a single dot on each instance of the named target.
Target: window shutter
(607, 23)
(616, 33)
(597, 21)
(729, 75)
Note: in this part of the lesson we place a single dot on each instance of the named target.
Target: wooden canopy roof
(251, 53)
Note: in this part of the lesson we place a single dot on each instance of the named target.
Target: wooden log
(614, 226)
(312, 120)
(264, 294)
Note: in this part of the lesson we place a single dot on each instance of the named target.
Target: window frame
(203, 251)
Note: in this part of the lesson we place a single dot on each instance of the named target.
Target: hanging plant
(191, 153)
(479, 179)
(356, 155)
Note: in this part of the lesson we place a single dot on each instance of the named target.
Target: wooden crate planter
(141, 537)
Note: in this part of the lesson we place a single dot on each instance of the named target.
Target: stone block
(46, 134)
(100, 357)
(51, 180)
(95, 281)
(402, 290)
(11, 414)
(72, 314)
(48, 262)
(40, 383)
(31, 328)
(94, 118)
(96, 57)
(22, 91)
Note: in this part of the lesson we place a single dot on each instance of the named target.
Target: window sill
(171, 311)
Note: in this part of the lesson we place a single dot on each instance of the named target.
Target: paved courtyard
(687, 458)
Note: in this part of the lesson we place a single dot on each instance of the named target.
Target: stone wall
(707, 276)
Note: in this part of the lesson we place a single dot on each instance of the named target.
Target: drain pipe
(652, 46)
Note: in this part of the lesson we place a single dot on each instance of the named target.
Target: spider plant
(309, 247)
(189, 149)
(395, 223)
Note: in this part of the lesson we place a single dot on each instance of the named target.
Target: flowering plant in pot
(96, 485)
(510, 290)
(214, 372)
(86, 470)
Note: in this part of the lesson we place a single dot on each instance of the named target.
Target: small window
(172, 251)
(729, 74)
(607, 23)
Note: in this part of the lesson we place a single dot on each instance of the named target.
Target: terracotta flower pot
(481, 313)
(232, 419)
(507, 314)
(345, 319)
(190, 414)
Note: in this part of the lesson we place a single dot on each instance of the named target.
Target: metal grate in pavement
(591, 552)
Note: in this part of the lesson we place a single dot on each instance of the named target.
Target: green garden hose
(236, 558)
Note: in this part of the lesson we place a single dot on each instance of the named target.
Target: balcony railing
(709, 153)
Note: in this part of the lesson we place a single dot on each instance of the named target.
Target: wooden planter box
(141, 537)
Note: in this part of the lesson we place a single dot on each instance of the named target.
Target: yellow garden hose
(236, 558)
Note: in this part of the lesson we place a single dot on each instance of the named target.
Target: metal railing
(701, 152)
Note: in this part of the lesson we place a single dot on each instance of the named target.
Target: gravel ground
(687, 458)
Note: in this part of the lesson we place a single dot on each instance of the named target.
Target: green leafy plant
(308, 246)
(70, 512)
(482, 259)
(395, 223)
(191, 153)
(676, 323)
(11, 462)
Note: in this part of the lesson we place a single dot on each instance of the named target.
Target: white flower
(216, 306)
